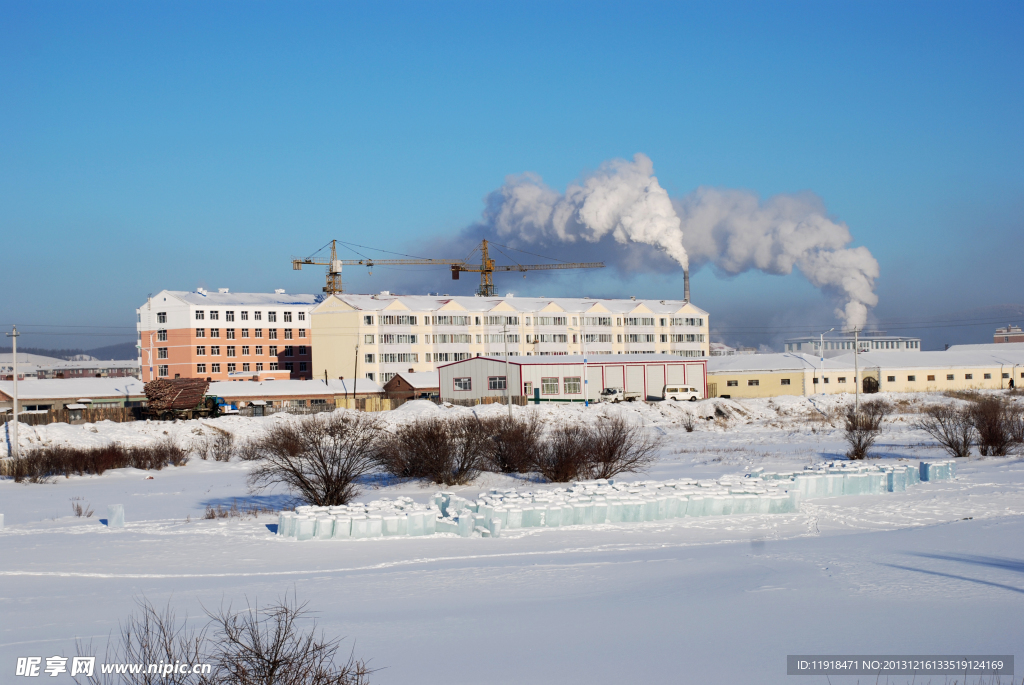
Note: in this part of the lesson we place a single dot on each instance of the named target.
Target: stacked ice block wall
(603, 501)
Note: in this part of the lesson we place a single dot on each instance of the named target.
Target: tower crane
(485, 268)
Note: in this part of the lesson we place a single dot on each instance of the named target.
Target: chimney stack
(686, 285)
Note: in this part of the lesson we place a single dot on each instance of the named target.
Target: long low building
(293, 393)
(57, 393)
(560, 379)
(770, 375)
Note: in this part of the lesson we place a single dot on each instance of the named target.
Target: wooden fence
(91, 415)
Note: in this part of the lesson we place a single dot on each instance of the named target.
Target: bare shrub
(991, 420)
(1015, 422)
(689, 423)
(319, 458)
(80, 510)
(248, 450)
(952, 427)
(861, 428)
(255, 646)
(515, 443)
(566, 454)
(235, 511)
(63, 460)
(617, 446)
(448, 451)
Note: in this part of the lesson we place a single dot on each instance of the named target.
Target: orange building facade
(224, 336)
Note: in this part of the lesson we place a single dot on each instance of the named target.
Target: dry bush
(992, 421)
(515, 443)
(965, 395)
(218, 446)
(952, 427)
(63, 460)
(235, 511)
(319, 458)
(689, 423)
(80, 510)
(255, 646)
(861, 428)
(447, 451)
(617, 446)
(1015, 422)
(566, 454)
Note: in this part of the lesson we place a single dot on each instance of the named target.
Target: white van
(682, 392)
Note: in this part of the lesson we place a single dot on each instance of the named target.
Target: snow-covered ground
(936, 570)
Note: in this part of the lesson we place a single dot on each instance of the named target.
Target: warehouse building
(836, 344)
(560, 379)
(225, 336)
(378, 336)
(770, 375)
(56, 393)
(941, 370)
(294, 393)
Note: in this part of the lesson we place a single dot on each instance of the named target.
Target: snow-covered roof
(421, 379)
(218, 299)
(94, 364)
(936, 359)
(783, 361)
(363, 386)
(7, 358)
(572, 305)
(60, 388)
(987, 347)
(591, 359)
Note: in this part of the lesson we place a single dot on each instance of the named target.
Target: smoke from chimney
(733, 230)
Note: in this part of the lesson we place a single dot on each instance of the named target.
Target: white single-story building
(38, 394)
(560, 378)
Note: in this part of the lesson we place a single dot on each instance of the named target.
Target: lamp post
(13, 335)
(508, 378)
(821, 352)
(856, 372)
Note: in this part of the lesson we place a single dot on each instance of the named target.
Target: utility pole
(583, 339)
(856, 372)
(355, 376)
(821, 352)
(508, 378)
(13, 335)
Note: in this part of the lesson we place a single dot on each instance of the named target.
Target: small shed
(413, 386)
(561, 378)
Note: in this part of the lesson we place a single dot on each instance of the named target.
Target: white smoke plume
(731, 229)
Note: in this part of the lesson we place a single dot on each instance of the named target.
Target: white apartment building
(377, 336)
(842, 343)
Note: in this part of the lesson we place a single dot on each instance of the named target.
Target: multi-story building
(225, 336)
(377, 336)
(842, 343)
(1009, 334)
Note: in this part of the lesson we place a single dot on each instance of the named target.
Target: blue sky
(169, 145)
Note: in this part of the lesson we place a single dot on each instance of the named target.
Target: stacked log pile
(179, 393)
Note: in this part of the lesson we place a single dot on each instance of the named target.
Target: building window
(288, 366)
(161, 370)
(259, 366)
(258, 333)
(273, 366)
(214, 350)
(271, 316)
(385, 377)
(257, 316)
(245, 332)
(549, 386)
(841, 379)
(891, 379)
(949, 376)
(911, 378)
(272, 333)
(496, 383)
(732, 384)
(755, 382)
(428, 356)
(369, 376)
(161, 353)
(571, 385)
(988, 376)
(161, 317)
(245, 367)
(302, 366)
(368, 339)
(931, 378)
(368, 320)
(302, 316)
(245, 316)
(231, 368)
(231, 350)
(229, 333)
(302, 350)
(245, 350)
(463, 383)
(200, 333)
(368, 359)
(287, 334)
(619, 338)
(1006, 375)
(200, 315)
(259, 350)
(288, 351)
(200, 350)
(214, 332)
(214, 368)
(302, 332)
(273, 351)
(287, 317)
(969, 376)
(785, 381)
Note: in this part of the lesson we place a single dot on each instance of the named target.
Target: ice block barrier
(115, 516)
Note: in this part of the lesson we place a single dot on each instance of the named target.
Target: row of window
(230, 351)
(229, 315)
(162, 369)
(571, 385)
(952, 377)
(412, 320)
(229, 333)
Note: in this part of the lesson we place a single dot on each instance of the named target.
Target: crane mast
(485, 268)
